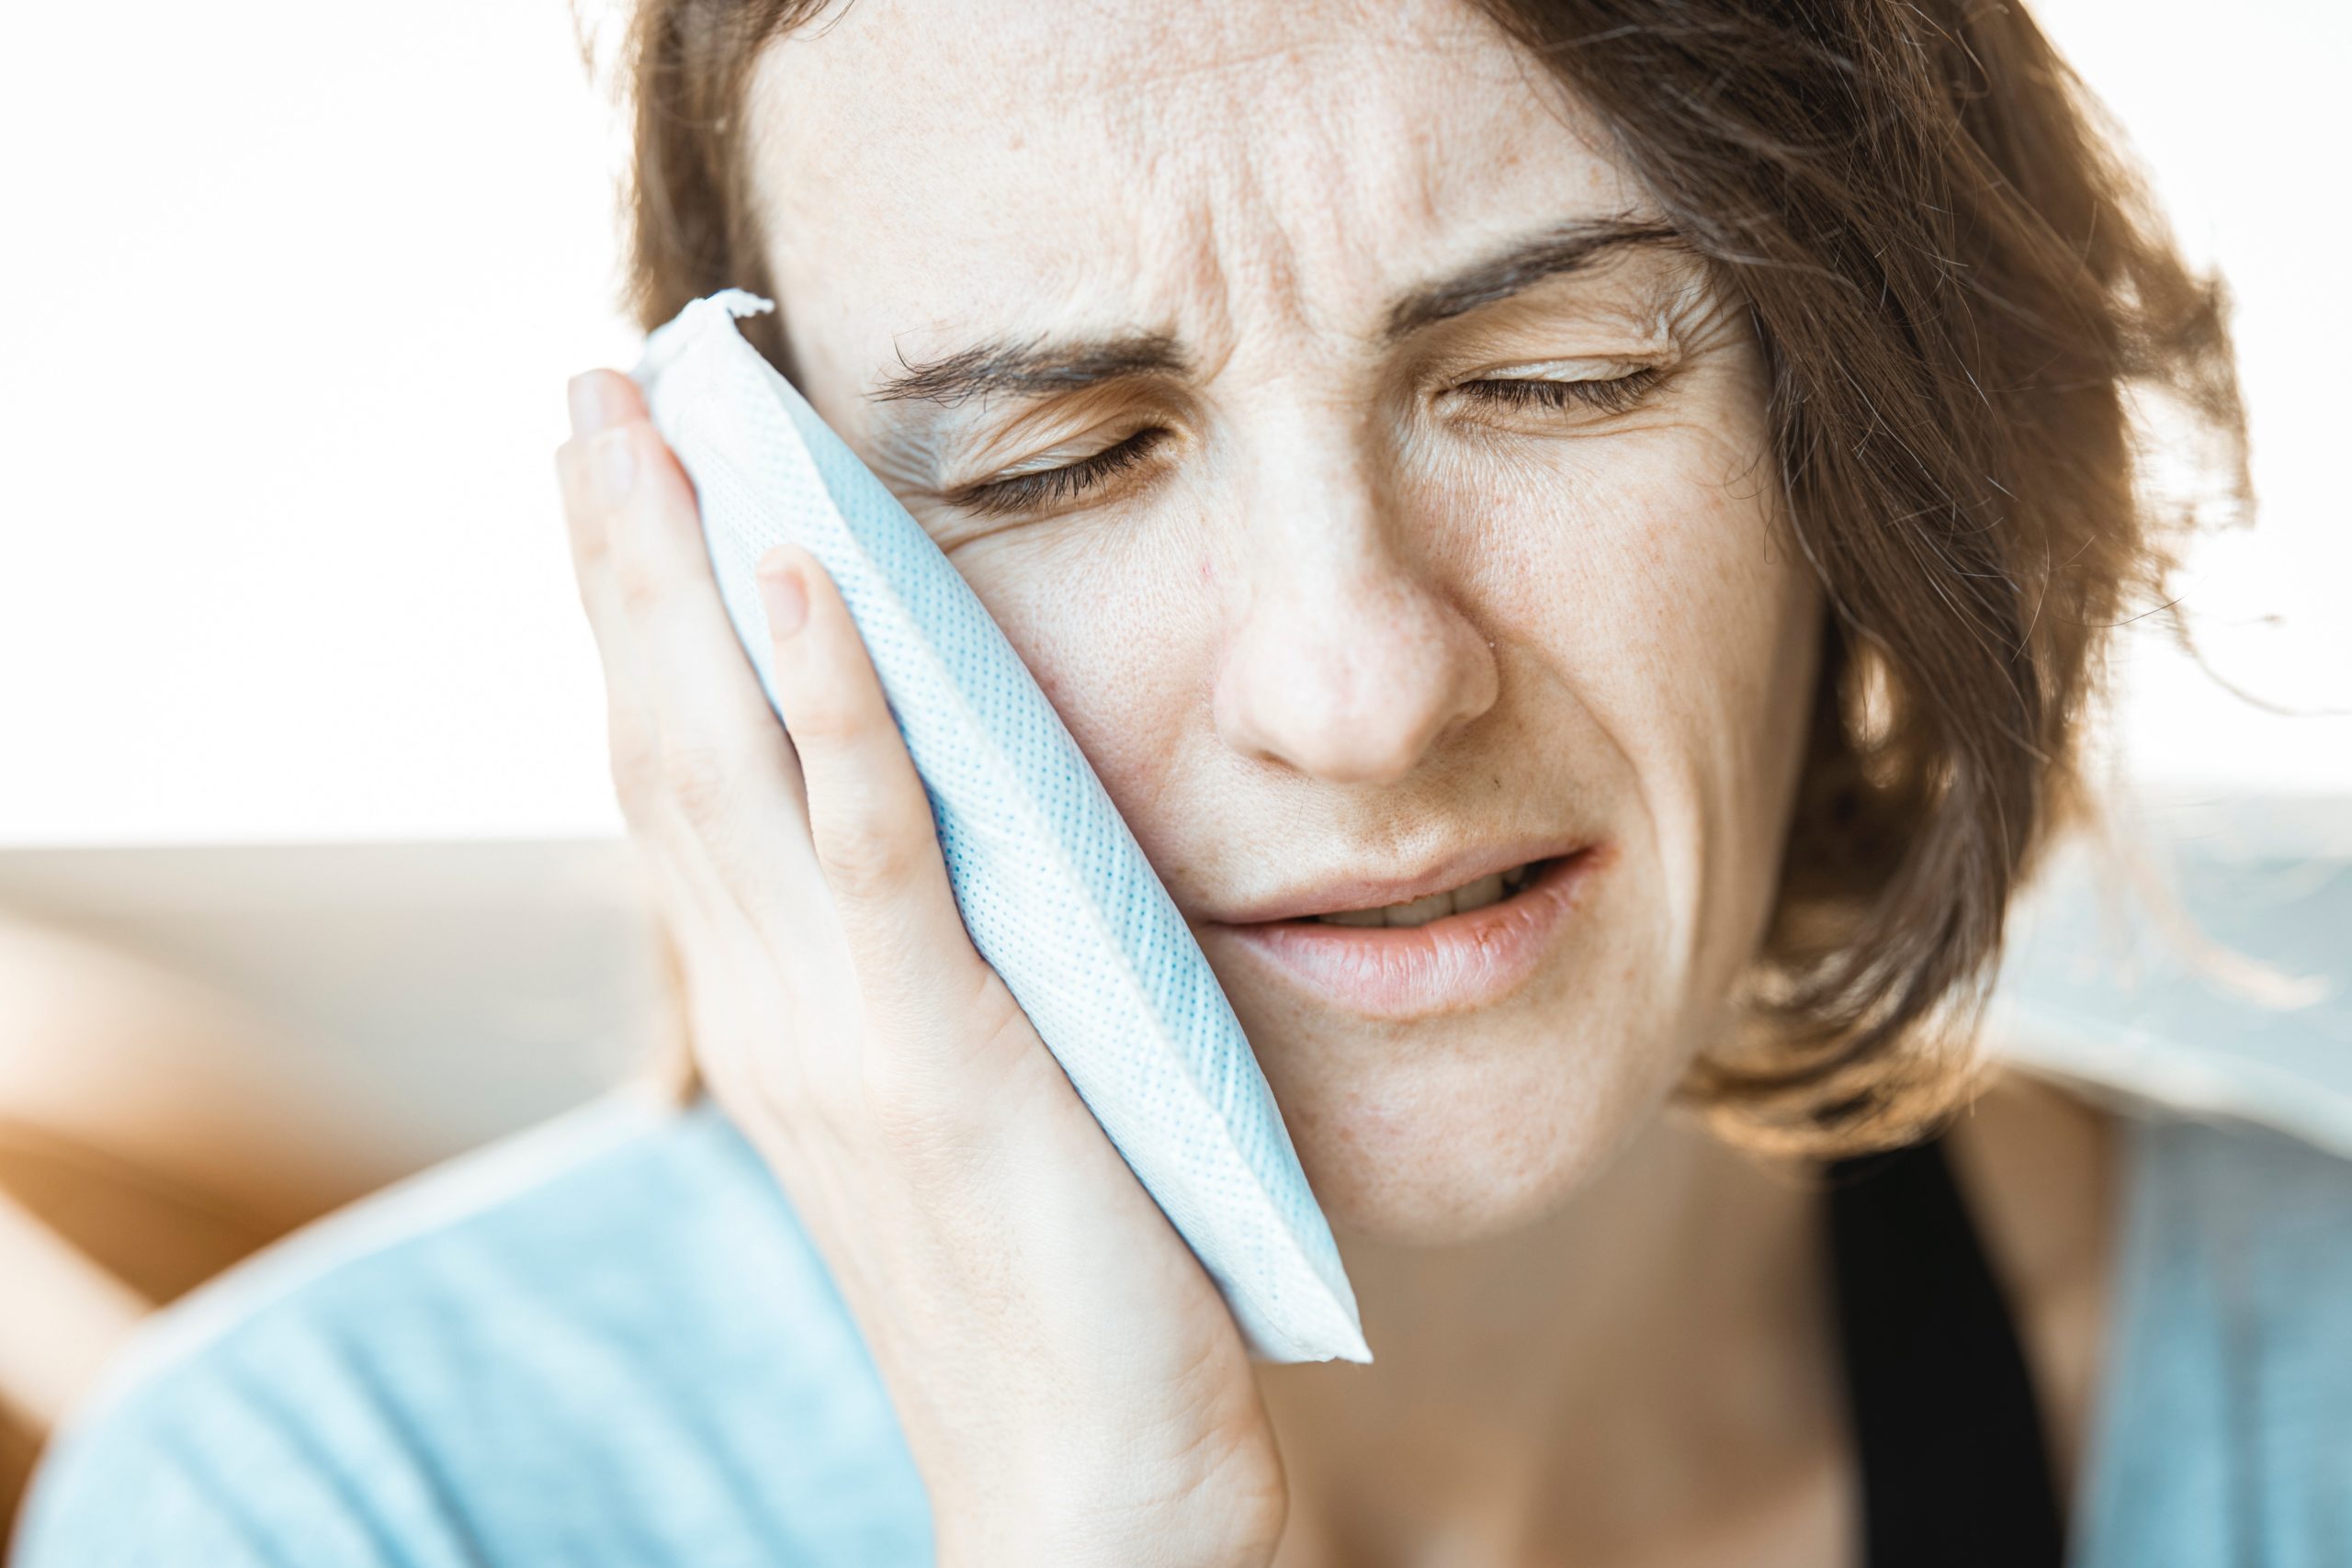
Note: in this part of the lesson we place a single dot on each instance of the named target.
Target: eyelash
(1047, 486)
(1616, 394)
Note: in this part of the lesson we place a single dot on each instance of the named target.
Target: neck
(1648, 1360)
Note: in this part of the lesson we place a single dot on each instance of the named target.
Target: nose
(1349, 657)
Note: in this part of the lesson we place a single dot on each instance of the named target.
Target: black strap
(1954, 1465)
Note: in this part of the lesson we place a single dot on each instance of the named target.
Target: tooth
(1479, 893)
(1476, 894)
(1421, 911)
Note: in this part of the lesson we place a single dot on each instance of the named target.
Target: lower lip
(1469, 960)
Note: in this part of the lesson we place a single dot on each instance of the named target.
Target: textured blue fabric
(606, 1342)
(1053, 887)
(2228, 1437)
(609, 1342)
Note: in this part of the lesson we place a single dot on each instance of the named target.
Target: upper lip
(1336, 894)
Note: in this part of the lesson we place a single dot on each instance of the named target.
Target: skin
(1349, 610)
(1333, 620)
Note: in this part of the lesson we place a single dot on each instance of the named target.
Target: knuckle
(700, 779)
(820, 723)
(864, 859)
(635, 763)
(939, 1082)
(639, 585)
(581, 517)
(590, 547)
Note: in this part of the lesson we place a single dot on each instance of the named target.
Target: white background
(291, 291)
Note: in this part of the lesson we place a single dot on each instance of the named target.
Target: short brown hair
(1959, 285)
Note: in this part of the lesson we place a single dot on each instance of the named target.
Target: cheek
(1689, 646)
(1655, 642)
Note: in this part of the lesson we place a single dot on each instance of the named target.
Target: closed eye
(1046, 487)
(1050, 487)
(1615, 394)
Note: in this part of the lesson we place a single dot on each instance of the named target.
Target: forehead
(926, 169)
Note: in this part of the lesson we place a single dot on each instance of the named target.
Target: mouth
(1464, 947)
(1476, 894)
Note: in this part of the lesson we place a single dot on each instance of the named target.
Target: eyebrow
(1036, 365)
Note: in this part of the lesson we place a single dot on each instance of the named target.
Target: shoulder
(2253, 1219)
(2197, 1217)
(576, 1343)
(2228, 1395)
(2186, 1276)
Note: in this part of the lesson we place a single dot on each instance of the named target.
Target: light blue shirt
(607, 1341)
(604, 1341)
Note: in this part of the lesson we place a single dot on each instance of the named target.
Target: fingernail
(585, 392)
(783, 596)
(616, 462)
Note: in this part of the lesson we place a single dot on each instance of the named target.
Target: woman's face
(1295, 386)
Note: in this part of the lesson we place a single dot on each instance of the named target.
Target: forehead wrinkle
(1188, 225)
(1254, 204)
(1172, 45)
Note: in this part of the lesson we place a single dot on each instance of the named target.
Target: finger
(600, 399)
(583, 518)
(596, 470)
(693, 904)
(646, 572)
(724, 764)
(631, 731)
(661, 581)
(597, 467)
(869, 817)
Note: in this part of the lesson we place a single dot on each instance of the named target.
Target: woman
(1679, 445)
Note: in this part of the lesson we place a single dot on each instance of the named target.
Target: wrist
(1177, 1542)
(1086, 1525)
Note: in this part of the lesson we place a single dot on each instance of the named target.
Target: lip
(1464, 961)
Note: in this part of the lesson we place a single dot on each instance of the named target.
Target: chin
(1446, 1149)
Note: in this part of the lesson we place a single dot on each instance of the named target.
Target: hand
(1070, 1384)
